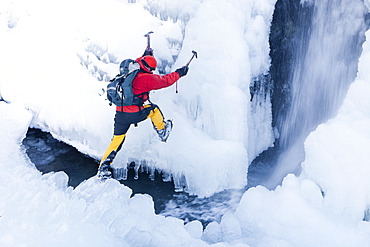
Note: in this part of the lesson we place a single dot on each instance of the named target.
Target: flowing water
(322, 74)
(323, 66)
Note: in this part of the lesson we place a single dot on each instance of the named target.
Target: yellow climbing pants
(122, 123)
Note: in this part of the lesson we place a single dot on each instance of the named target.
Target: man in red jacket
(144, 82)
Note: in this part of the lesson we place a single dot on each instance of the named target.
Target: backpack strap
(138, 97)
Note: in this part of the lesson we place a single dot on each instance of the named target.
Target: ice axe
(195, 54)
(148, 37)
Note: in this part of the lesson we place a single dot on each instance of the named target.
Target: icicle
(143, 165)
(366, 215)
(179, 181)
(120, 173)
(136, 168)
(166, 176)
(151, 173)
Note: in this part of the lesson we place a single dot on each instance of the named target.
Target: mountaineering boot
(164, 133)
(104, 170)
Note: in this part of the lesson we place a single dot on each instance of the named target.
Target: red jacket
(144, 82)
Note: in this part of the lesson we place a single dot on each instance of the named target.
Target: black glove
(148, 51)
(182, 71)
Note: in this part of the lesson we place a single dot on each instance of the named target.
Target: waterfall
(315, 47)
(322, 73)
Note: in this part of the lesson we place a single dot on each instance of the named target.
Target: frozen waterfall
(322, 75)
(323, 65)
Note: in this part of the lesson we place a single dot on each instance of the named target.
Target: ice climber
(144, 82)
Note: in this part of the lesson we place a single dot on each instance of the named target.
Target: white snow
(55, 57)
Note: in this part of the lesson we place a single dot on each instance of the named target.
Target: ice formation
(56, 64)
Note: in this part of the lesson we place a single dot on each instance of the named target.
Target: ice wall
(61, 65)
(214, 99)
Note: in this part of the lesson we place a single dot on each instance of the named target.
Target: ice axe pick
(195, 54)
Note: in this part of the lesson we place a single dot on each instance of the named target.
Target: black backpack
(119, 90)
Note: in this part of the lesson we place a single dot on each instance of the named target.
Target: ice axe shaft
(195, 54)
(148, 37)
